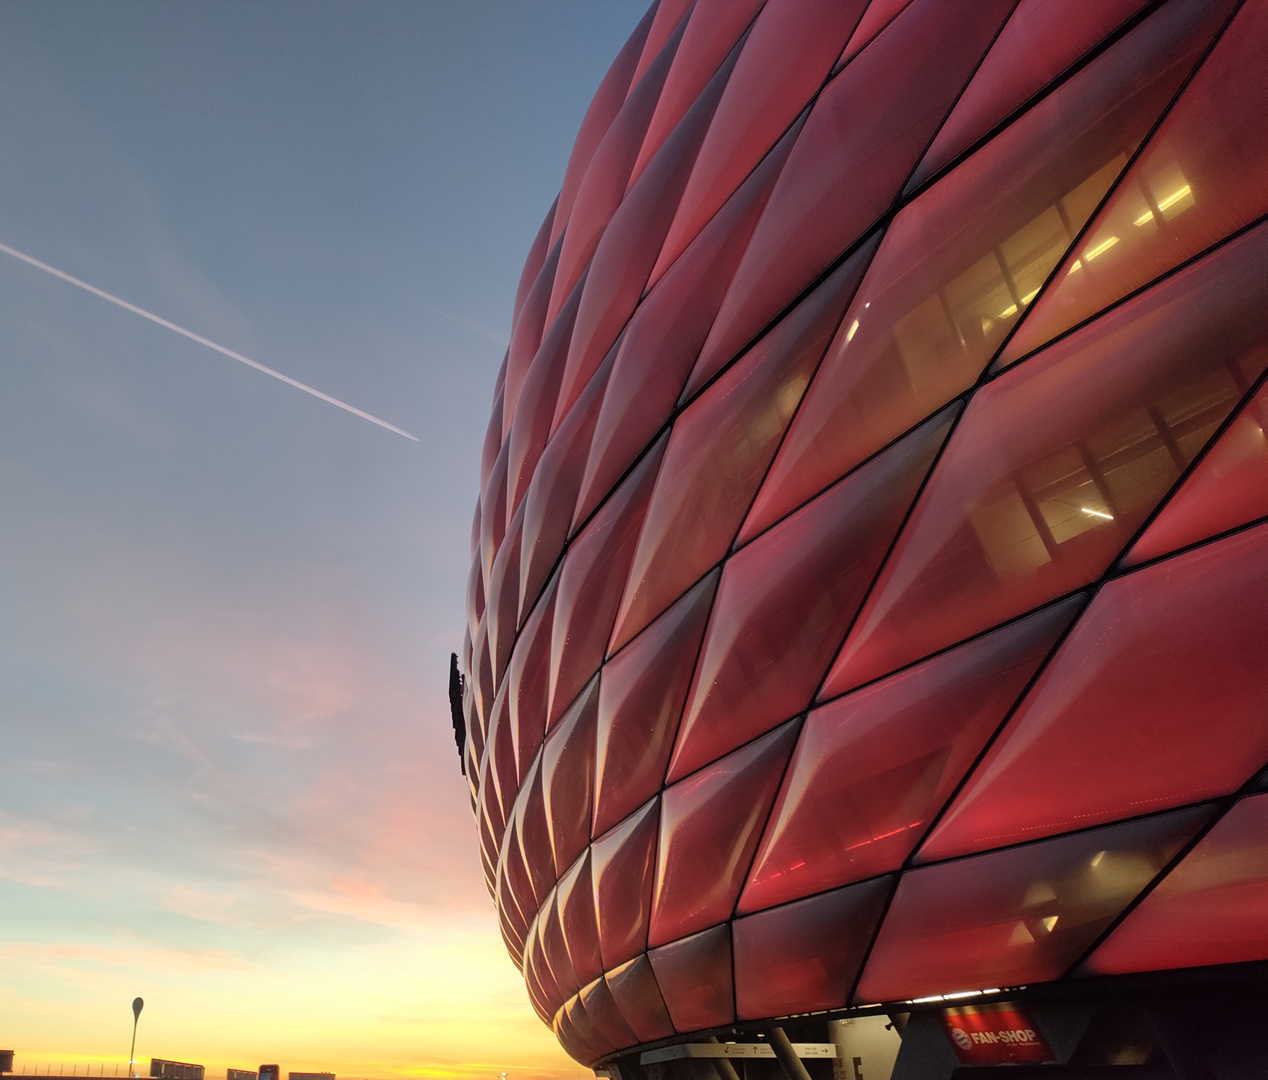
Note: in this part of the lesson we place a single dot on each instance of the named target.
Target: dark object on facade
(175, 1070)
(456, 686)
(869, 585)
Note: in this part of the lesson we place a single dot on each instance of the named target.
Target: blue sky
(226, 607)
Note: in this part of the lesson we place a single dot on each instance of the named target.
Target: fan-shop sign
(991, 1034)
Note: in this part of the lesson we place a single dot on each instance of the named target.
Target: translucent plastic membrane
(577, 917)
(624, 257)
(533, 264)
(1211, 909)
(489, 451)
(603, 187)
(960, 263)
(1058, 462)
(695, 980)
(1228, 488)
(622, 863)
(607, 103)
(807, 327)
(787, 55)
(718, 452)
(635, 991)
(590, 584)
(579, 1035)
(1018, 916)
(503, 775)
(1202, 176)
(663, 338)
(493, 515)
(1157, 698)
(1039, 41)
(527, 682)
(669, 13)
(709, 826)
(713, 29)
(534, 835)
(872, 769)
(552, 495)
(604, 1013)
(786, 600)
(878, 15)
(805, 956)
(556, 948)
(536, 406)
(568, 778)
(640, 702)
(482, 674)
(504, 588)
(535, 962)
(514, 893)
(526, 337)
(870, 124)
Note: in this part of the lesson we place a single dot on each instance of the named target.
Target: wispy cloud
(30, 261)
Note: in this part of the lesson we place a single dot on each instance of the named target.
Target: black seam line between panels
(1068, 72)
(1219, 808)
(915, 499)
(1117, 569)
(876, 230)
(1113, 572)
(1145, 143)
(898, 203)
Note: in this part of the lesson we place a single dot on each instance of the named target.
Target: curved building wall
(869, 593)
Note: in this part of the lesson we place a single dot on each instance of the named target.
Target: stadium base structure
(870, 571)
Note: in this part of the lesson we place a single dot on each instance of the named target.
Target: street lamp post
(137, 1005)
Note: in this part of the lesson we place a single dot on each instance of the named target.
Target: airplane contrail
(202, 340)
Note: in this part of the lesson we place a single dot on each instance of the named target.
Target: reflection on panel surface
(867, 597)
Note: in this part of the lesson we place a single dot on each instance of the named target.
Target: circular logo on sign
(961, 1039)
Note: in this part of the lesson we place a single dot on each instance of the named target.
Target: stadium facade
(867, 667)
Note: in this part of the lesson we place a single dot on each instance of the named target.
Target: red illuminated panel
(531, 423)
(607, 103)
(694, 975)
(806, 955)
(866, 114)
(786, 600)
(878, 15)
(1157, 698)
(526, 336)
(718, 453)
(603, 1012)
(960, 263)
(715, 26)
(502, 616)
(555, 948)
(635, 991)
(621, 264)
(872, 769)
(590, 586)
(606, 178)
(567, 778)
(552, 496)
(788, 54)
(1058, 462)
(1202, 176)
(1037, 44)
(1211, 909)
(528, 680)
(622, 863)
(580, 926)
(640, 702)
(533, 832)
(1229, 487)
(709, 825)
(1018, 916)
(663, 338)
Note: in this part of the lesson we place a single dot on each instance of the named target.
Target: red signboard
(991, 1034)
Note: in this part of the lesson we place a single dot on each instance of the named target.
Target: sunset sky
(228, 781)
